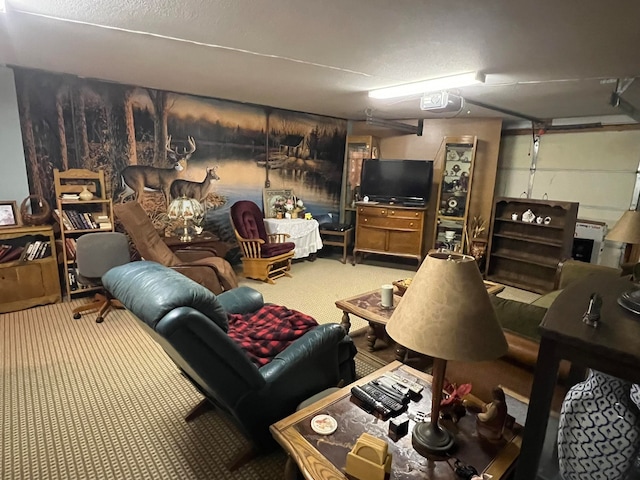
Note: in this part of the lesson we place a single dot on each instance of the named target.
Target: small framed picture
(9, 214)
(274, 200)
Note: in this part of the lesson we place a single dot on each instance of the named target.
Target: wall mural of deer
(140, 177)
(197, 190)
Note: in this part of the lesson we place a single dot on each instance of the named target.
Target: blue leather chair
(190, 323)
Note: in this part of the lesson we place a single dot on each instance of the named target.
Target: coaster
(324, 424)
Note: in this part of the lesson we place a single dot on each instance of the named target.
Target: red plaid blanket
(267, 332)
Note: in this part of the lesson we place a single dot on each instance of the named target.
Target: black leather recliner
(190, 324)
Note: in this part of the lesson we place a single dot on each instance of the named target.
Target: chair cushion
(268, 331)
(140, 228)
(248, 220)
(268, 250)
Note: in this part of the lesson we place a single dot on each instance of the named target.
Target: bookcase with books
(82, 207)
(28, 267)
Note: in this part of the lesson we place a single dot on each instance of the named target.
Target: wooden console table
(612, 348)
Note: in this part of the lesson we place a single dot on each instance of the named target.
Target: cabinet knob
(393, 212)
(366, 219)
(411, 224)
(416, 214)
(383, 212)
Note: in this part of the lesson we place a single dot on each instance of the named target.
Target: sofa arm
(522, 350)
(241, 300)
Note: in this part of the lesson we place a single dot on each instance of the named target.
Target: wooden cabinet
(389, 230)
(454, 194)
(359, 148)
(77, 216)
(525, 253)
(28, 282)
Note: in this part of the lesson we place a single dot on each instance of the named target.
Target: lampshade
(627, 229)
(447, 313)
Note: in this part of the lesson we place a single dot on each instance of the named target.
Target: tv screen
(397, 181)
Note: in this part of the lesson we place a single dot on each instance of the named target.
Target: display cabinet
(82, 207)
(28, 268)
(450, 231)
(359, 148)
(528, 239)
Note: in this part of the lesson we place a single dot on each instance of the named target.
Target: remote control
(389, 391)
(370, 402)
(382, 397)
(397, 388)
(415, 388)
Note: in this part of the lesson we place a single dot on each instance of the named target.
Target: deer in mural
(197, 190)
(139, 177)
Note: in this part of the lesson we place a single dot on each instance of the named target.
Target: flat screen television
(397, 181)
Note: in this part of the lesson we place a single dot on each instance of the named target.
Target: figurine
(490, 422)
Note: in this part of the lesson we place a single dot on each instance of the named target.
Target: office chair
(97, 253)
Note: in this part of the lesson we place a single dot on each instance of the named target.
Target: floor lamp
(626, 230)
(446, 313)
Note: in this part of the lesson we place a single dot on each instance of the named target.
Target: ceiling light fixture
(442, 83)
(3, 7)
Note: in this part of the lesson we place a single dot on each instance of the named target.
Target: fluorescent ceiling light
(3, 7)
(442, 83)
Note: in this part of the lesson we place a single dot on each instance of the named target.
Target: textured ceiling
(545, 59)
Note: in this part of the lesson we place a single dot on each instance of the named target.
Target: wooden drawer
(21, 283)
(412, 214)
(373, 211)
(391, 223)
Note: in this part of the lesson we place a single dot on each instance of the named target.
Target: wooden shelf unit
(390, 230)
(27, 283)
(70, 182)
(526, 254)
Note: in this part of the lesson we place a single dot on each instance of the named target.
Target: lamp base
(429, 438)
(185, 237)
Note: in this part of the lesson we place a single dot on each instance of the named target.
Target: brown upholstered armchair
(264, 257)
(199, 264)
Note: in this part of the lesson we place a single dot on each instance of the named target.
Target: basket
(35, 218)
(402, 285)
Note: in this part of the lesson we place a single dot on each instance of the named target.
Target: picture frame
(9, 216)
(270, 196)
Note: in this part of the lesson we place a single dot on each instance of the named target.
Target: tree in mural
(159, 98)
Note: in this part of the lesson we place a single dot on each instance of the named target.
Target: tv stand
(386, 229)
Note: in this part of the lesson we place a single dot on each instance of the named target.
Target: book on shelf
(4, 249)
(14, 254)
(70, 247)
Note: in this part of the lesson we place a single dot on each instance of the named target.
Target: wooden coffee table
(367, 306)
(324, 456)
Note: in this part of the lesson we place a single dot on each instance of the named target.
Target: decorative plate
(324, 424)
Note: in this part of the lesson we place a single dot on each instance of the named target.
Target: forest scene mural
(147, 140)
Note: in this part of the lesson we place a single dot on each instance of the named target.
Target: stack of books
(30, 251)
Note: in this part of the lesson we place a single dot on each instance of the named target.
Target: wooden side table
(205, 239)
(338, 238)
(324, 456)
(611, 348)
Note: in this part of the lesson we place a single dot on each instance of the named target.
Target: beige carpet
(88, 401)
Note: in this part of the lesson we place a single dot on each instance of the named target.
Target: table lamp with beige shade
(626, 230)
(446, 313)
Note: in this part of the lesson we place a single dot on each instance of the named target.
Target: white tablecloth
(304, 233)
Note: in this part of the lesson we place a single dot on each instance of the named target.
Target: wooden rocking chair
(264, 257)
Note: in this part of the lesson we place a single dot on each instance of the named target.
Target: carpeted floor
(83, 401)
